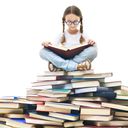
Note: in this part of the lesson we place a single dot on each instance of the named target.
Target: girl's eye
(76, 22)
(68, 22)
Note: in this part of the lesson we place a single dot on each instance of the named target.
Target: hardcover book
(68, 53)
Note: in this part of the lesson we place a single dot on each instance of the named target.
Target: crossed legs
(81, 61)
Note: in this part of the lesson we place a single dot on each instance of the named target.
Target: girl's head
(72, 17)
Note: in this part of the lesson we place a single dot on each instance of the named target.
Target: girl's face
(72, 21)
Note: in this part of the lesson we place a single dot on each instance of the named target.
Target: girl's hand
(46, 43)
(91, 42)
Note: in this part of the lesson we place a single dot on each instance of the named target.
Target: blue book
(108, 95)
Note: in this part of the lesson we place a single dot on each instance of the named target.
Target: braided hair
(76, 11)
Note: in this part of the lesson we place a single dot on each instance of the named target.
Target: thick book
(70, 117)
(18, 123)
(39, 115)
(95, 111)
(34, 121)
(43, 108)
(115, 106)
(65, 73)
(96, 117)
(62, 105)
(44, 98)
(105, 94)
(68, 53)
(112, 123)
(69, 124)
(87, 104)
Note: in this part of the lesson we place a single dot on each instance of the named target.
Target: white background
(24, 24)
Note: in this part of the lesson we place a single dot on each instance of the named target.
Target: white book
(85, 90)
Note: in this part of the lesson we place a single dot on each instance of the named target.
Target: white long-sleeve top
(71, 39)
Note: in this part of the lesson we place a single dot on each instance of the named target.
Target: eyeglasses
(75, 22)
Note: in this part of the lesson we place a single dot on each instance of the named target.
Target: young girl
(72, 17)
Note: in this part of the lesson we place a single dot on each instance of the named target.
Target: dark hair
(76, 11)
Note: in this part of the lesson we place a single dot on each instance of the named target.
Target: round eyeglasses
(75, 22)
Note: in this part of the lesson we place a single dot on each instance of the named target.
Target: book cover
(105, 94)
(68, 53)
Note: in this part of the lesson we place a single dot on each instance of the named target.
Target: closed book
(50, 82)
(120, 101)
(84, 90)
(68, 53)
(43, 108)
(64, 91)
(11, 110)
(121, 118)
(95, 76)
(108, 95)
(62, 86)
(5, 126)
(18, 123)
(70, 124)
(28, 102)
(62, 74)
(112, 84)
(122, 97)
(104, 89)
(112, 123)
(15, 115)
(44, 117)
(41, 121)
(95, 111)
(96, 117)
(114, 106)
(71, 117)
(87, 104)
(63, 105)
(85, 84)
(121, 113)
(44, 98)
(90, 126)
(53, 94)
(10, 105)
(91, 98)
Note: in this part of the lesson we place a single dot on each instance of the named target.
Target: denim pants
(69, 64)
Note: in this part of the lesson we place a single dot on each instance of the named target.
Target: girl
(72, 17)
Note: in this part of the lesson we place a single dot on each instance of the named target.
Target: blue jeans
(69, 64)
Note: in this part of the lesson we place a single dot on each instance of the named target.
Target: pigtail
(82, 39)
(63, 36)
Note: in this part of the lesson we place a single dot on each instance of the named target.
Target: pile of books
(80, 99)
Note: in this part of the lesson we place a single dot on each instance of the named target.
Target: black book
(108, 95)
(104, 89)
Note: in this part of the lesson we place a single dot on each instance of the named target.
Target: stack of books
(80, 99)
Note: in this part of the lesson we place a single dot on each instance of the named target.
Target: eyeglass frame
(69, 22)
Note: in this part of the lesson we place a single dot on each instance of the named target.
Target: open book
(68, 53)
